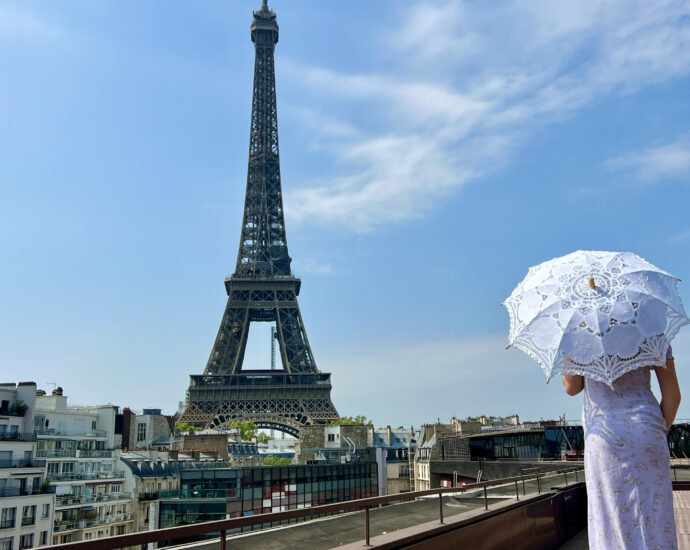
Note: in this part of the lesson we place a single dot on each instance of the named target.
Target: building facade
(26, 500)
(83, 466)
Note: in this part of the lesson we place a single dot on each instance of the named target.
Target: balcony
(31, 520)
(23, 463)
(71, 500)
(67, 433)
(17, 436)
(71, 525)
(57, 453)
(18, 492)
(79, 476)
(94, 454)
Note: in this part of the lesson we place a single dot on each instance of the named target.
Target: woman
(627, 468)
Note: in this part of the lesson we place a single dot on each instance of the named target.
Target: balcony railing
(77, 476)
(23, 463)
(71, 525)
(31, 520)
(17, 436)
(18, 492)
(69, 500)
(69, 433)
(57, 453)
(7, 524)
(94, 454)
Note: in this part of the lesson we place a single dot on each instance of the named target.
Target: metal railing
(18, 492)
(70, 500)
(31, 520)
(57, 453)
(88, 453)
(17, 436)
(53, 431)
(71, 525)
(23, 463)
(7, 524)
(76, 476)
(223, 526)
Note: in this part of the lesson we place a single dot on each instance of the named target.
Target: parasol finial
(592, 284)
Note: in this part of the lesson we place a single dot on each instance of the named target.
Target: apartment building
(83, 466)
(26, 500)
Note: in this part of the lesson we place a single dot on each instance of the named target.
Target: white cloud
(679, 237)
(447, 117)
(313, 266)
(655, 163)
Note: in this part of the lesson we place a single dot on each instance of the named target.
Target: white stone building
(78, 444)
(26, 500)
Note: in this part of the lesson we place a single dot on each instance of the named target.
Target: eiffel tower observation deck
(262, 289)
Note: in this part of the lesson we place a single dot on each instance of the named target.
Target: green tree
(350, 421)
(183, 427)
(263, 438)
(277, 461)
(247, 428)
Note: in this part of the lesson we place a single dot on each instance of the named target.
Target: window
(141, 431)
(6, 543)
(93, 424)
(331, 437)
(7, 518)
(46, 511)
(28, 518)
(44, 538)
(53, 468)
(39, 422)
(88, 536)
(26, 541)
(120, 530)
(65, 538)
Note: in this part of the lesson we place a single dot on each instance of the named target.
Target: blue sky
(430, 152)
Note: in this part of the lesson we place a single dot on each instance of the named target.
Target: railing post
(366, 515)
(222, 539)
(486, 501)
(576, 478)
(524, 492)
(517, 491)
(539, 484)
(566, 477)
(440, 506)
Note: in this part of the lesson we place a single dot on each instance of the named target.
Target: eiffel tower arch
(262, 289)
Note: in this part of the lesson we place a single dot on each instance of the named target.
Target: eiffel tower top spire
(263, 251)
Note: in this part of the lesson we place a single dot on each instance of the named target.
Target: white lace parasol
(597, 314)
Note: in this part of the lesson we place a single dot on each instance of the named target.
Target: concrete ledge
(544, 520)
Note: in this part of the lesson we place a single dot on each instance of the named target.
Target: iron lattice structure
(262, 289)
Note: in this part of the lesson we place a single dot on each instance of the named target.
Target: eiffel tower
(262, 289)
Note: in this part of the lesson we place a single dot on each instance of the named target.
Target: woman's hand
(670, 391)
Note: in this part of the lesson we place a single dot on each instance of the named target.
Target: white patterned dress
(627, 467)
